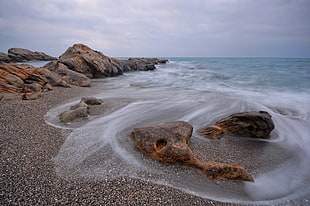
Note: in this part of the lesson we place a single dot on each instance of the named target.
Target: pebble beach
(28, 145)
(28, 176)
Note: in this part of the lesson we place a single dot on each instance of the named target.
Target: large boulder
(249, 124)
(170, 143)
(91, 63)
(22, 55)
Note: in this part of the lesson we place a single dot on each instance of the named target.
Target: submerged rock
(80, 110)
(249, 124)
(170, 143)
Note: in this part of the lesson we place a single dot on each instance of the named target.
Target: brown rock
(4, 57)
(25, 81)
(91, 101)
(250, 124)
(67, 75)
(33, 87)
(32, 95)
(83, 59)
(71, 115)
(170, 143)
(12, 79)
(22, 55)
(7, 97)
(51, 77)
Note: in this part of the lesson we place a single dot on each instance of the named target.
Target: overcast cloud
(269, 28)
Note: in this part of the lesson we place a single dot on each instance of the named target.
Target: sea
(200, 91)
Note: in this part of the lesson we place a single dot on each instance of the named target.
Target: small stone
(91, 101)
(71, 115)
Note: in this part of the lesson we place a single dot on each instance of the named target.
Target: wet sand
(28, 176)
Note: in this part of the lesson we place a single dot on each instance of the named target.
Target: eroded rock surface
(22, 81)
(249, 124)
(170, 143)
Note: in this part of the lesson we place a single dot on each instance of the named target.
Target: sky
(159, 28)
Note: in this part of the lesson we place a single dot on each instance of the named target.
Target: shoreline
(28, 176)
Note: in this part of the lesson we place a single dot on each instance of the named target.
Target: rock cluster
(249, 124)
(93, 64)
(80, 110)
(22, 55)
(22, 81)
(170, 143)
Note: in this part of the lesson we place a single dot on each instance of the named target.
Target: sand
(27, 177)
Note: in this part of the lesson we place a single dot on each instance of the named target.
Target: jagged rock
(249, 124)
(22, 55)
(80, 110)
(170, 143)
(4, 57)
(53, 78)
(83, 59)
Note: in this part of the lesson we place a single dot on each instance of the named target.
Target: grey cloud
(159, 28)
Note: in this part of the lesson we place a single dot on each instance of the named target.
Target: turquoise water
(200, 91)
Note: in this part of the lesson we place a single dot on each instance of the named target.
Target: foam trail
(100, 149)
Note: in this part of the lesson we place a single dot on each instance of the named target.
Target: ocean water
(200, 91)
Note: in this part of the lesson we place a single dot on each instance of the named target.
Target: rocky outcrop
(75, 67)
(22, 55)
(170, 143)
(19, 82)
(80, 110)
(93, 64)
(249, 124)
